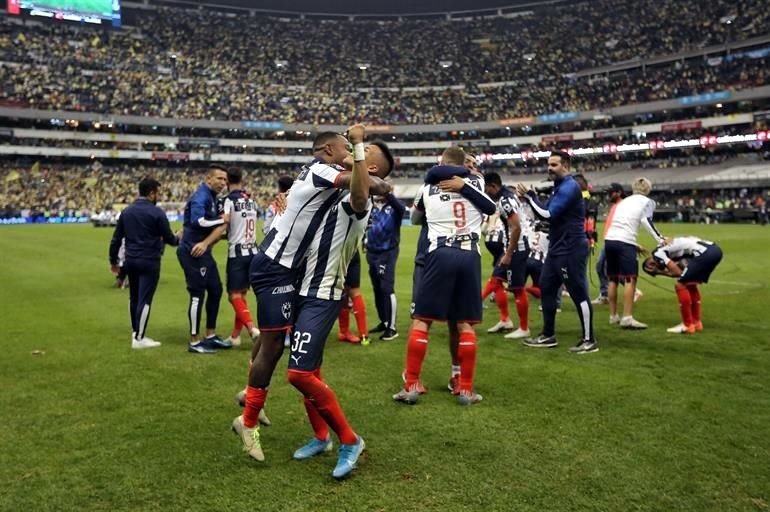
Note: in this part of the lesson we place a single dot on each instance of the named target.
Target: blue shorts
(450, 287)
(353, 277)
(238, 273)
(517, 271)
(200, 273)
(534, 269)
(417, 275)
(699, 269)
(276, 288)
(622, 265)
(315, 319)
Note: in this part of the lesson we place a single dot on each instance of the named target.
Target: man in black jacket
(145, 228)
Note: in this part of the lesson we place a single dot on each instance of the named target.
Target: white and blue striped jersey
(681, 247)
(310, 198)
(495, 230)
(538, 245)
(242, 229)
(331, 250)
(508, 206)
(453, 220)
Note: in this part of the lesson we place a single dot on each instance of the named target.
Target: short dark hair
(582, 181)
(216, 167)
(453, 155)
(386, 153)
(492, 178)
(324, 138)
(234, 175)
(565, 158)
(147, 186)
(285, 183)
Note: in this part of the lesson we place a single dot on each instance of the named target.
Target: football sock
(467, 355)
(695, 298)
(501, 299)
(344, 319)
(522, 308)
(534, 290)
(455, 370)
(255, 402)
(242, 312)
(685, 305)
(416, 348)
(359, 311)
(489, 288)
(237, 328)
(325, 402)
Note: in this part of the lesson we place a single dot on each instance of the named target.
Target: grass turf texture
(652, 422)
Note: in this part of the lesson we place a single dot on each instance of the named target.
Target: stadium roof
(368, 8)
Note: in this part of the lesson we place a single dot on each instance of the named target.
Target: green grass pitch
(652, 422)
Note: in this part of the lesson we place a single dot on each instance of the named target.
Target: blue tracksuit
(382, 242)
(201, 217)
(567, 254)
(145, 228)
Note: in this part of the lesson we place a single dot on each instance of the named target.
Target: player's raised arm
(466, 188)
(359, 179)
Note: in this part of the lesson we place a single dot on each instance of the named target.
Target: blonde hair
(641, 186)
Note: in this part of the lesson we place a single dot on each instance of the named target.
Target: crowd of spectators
(197, 64)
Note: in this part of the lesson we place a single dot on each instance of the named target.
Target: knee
(299, 378)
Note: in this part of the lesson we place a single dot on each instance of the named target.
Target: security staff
(145, 228)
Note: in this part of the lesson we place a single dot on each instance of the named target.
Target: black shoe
(585, 347)
(215, 342)
(380, 328)
(542, 341)
(389, 334)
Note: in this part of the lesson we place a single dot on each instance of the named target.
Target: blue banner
(557, 117)
(263, 125)
(709, 97)
(43, 220)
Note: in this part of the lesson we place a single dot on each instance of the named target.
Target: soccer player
(615, 193)
(449, 289)
(699, 259)
(143, 228)
(567, 254)
(284, 184)
(203, 227)
(512, 263)
(353, 294)
(275, 270)
(621, 248)
(239, 211)
(382, 243)
(319, 302)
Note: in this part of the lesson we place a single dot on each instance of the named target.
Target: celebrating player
(449, 289)
(699, 259)
(319, 302)
(240, 216)
(512, 263)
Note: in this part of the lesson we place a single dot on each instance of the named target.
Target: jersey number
(300, 340)
(250, 229)
(459, 212)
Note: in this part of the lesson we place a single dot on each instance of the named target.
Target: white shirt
(332, 249)
(453, 221)
(631, 212)
(681, 247)
(310, 198)
(242, 229)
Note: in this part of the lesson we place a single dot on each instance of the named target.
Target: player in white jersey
(691, 260)
(274, 271)
(240, 214)
(512, 265)
(284, 184)
(320, 293)
(621, 249)
(449, 290)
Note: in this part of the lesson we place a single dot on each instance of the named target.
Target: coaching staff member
(567, 254)
(145, 228)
